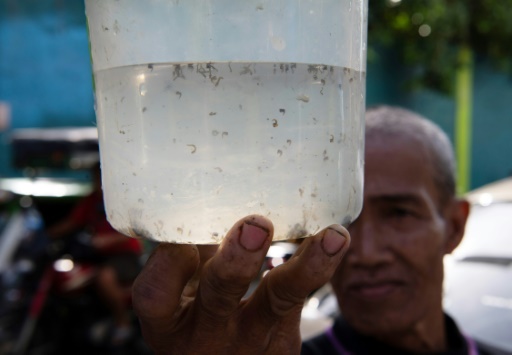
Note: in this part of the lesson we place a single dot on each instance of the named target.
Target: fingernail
(253, 236)
(333, 241)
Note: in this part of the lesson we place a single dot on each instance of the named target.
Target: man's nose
(369, 247)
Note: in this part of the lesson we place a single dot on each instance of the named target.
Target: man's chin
(378, 325)
(389, 315)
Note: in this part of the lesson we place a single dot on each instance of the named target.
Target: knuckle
(283, 299)
(148, 299)
(220, 296)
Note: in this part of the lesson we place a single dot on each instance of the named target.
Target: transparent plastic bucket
(208, 111)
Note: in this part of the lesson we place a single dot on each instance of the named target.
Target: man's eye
(400, 212)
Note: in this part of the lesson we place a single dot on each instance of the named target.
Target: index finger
(228, 274)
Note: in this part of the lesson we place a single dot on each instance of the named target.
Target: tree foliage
(427, 35)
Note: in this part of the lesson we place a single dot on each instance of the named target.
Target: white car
(478, 274)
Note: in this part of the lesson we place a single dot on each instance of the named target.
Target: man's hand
(215, 319)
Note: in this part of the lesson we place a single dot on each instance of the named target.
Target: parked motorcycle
(49, 304)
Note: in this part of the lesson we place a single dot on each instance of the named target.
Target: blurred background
(450, 60)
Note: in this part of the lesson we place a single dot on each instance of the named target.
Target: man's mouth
(373, 291)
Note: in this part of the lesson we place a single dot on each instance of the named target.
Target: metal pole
(463, 117)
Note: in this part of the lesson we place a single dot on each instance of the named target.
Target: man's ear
(457, 216)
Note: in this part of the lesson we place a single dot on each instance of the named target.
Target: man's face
(391, 277)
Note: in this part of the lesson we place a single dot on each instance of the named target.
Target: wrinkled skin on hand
(180, 316)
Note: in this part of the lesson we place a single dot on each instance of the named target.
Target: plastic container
(208, 111)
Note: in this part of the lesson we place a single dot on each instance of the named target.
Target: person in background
(388, 283)
(119, 255)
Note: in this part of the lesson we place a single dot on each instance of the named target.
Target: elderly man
(388, 285)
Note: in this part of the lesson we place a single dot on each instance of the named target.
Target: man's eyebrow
(396, 198)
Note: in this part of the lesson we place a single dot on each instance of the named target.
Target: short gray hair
(388, 122)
